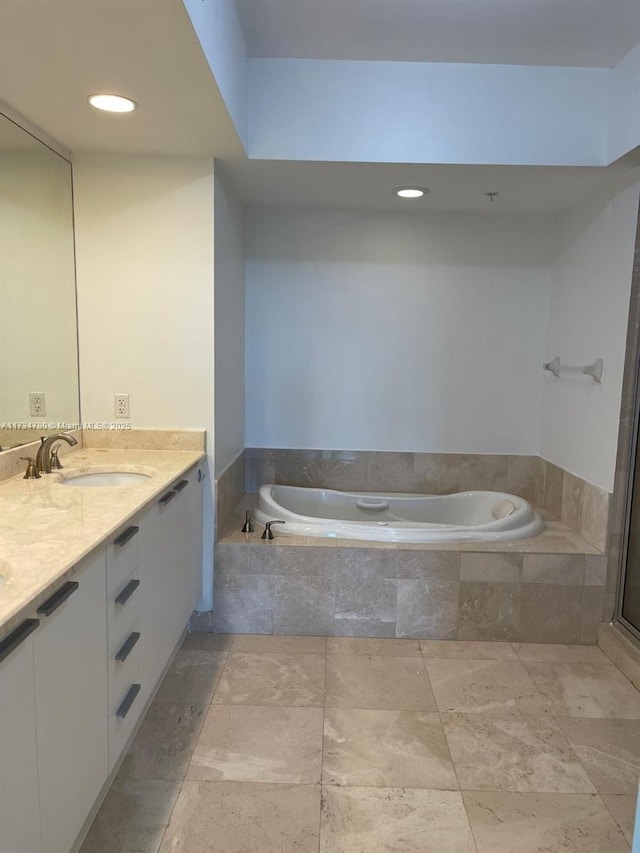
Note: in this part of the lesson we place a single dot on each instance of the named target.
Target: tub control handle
(268, 532)
(373, 506)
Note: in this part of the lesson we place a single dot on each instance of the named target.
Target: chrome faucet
(43, 457)
(268, 532)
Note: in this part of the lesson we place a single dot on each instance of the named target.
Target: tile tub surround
(551, 594)
(46, 529)
(352, 746)
(229, 489)
(549, 589)
(368, 470)
(579, 504)
(574, 501)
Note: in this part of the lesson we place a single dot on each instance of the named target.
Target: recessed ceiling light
(411, 192)
(112, 103)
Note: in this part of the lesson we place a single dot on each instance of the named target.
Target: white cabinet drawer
(122, 557)
(123, 668)
(122, 611)
(123, 720)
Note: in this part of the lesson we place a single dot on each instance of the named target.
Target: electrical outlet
(121, 405)
(36, 404)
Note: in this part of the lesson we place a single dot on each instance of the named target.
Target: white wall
(395, 331)
(417, 112)
(624, 106)
(144, 243)
(229, 325)
(218, 29)
(588, 320)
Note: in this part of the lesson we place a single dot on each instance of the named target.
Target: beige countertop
(47, 528)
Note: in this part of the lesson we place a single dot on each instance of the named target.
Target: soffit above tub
(54, 54)
(592, 33)
(369, 186)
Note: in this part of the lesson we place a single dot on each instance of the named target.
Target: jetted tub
(466, 516)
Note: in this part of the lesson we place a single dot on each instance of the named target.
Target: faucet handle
(31, 472)
(247, 527)
(268, 532)
(56, 464)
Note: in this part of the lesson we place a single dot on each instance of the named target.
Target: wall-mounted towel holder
(594, 370)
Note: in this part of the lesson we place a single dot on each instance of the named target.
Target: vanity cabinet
(170, 565)
(76, 678)
(70, 650)
(19, 798)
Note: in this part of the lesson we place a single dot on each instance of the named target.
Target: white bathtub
(466, 516)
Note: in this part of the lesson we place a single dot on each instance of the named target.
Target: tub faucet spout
(268, 532)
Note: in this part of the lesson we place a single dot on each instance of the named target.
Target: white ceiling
(596, 33)
(369, 186)
(54, 54)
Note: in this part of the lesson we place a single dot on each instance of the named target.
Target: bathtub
(462, 517)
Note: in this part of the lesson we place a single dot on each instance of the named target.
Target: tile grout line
(324, 711)
(182, 781)
(614, 818)
(173, 807)
(446, 740)
(554, 716)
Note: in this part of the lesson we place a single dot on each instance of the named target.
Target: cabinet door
(70, 653)
(188, 567)
(19, 804)
(157, 604)
(170, 548)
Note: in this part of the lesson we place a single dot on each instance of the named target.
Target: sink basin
(105, 478)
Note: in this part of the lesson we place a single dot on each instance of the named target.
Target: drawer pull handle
(165, 499)
(15, 638)
(125, 594)
(181, 485)
(128, 701)
(58, 598)
(128, 534)
(127, 646)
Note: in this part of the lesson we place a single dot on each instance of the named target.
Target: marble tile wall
(577, 503)
(268, 588)
(146, 439)
(229, 489)
(574, 501)
(365, 470)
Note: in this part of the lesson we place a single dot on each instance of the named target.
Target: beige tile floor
(264, 744)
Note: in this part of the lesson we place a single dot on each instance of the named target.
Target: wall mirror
(38, 331)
